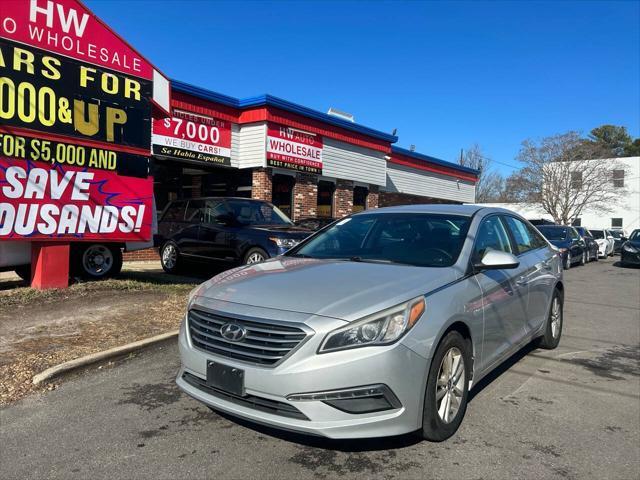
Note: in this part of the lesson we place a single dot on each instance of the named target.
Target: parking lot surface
(569, 413)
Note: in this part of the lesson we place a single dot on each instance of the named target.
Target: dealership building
(305, 162)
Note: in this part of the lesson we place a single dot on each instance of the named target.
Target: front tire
(254, 255)
(567, 261)
(583, 258)
(445, 400)
(553, 327)
(96, 261)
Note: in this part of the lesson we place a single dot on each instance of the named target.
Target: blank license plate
(225, 378)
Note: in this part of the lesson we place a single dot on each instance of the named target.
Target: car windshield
(419, 239)
(553, 233)
(635, 235)
(597, 233)
(251, 212)
(616, 234)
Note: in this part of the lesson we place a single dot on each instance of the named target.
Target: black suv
(232, 230)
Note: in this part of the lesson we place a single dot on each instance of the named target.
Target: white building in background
(626, 214)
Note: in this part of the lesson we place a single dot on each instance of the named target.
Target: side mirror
(496, 260)
(624, 239)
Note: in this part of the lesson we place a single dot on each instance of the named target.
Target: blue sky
(445, 74)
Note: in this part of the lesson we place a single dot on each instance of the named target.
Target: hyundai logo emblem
(233, 332)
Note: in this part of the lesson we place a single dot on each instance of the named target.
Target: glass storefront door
(282, 193)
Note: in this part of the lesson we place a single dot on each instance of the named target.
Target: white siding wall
(252, 142)
(409, 180)
(350, 162)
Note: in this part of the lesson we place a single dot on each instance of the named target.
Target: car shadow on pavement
(500, 369)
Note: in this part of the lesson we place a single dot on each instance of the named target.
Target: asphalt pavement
(571, 413)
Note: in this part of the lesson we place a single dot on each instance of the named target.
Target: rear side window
(175, 212)
(526, 238)
(491, 236)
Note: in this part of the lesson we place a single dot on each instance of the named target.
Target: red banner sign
(72, 202)
(293, 149)
(66, 27)
(192, 137)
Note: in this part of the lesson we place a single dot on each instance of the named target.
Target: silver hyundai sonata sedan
(377, 325)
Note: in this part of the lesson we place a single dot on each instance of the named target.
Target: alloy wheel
(255, 257)
(450, 385)
(556, 318)
(169, 256)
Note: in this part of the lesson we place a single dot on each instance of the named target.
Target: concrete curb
(99, 356)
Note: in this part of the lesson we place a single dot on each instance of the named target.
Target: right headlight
(381, 328)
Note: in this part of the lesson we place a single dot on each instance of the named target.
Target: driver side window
(491, 236)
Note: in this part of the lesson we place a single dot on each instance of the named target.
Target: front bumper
(398, 367)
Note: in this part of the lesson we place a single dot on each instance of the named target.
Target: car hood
(333, 288)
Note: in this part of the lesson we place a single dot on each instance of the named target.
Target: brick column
(372, 198)
(305, 196)
(261, 187)
(196, 182)
(343, 198)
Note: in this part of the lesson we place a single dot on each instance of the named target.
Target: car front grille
(265, 343)
(251, 401)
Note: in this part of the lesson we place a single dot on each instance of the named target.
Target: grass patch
(126, 282)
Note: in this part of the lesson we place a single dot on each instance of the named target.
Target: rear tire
(445, 399)
(553, 327)
(170, 258)
(95, 261)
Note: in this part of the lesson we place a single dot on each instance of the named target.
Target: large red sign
(189, 136)
(293, 149)
(63, 202)
(68, 28)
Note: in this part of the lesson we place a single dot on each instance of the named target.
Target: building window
(577, 222)
(282, 193)
(325, 198)
(616, 222)
(576, 180)
(360, 195)
(618, 178)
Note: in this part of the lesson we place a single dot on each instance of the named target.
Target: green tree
(612, 138)
(633, 149)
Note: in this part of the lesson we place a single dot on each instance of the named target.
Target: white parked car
(605, 241)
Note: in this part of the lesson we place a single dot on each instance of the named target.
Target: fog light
(366, 399)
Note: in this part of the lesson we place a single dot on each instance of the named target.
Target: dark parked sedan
(592, 245)
(630, 251)
(573, 248)
(231, 230)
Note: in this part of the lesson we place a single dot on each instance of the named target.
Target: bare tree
(490, 183)
(566, 175)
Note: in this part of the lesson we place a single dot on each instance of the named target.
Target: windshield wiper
(369, 260)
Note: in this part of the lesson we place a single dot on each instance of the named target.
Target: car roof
(445, 209)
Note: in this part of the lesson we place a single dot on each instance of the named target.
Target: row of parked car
(580, 245)
(245, 231)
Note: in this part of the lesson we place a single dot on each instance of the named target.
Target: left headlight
(630, 248)
(284, 242)
(382, 328)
